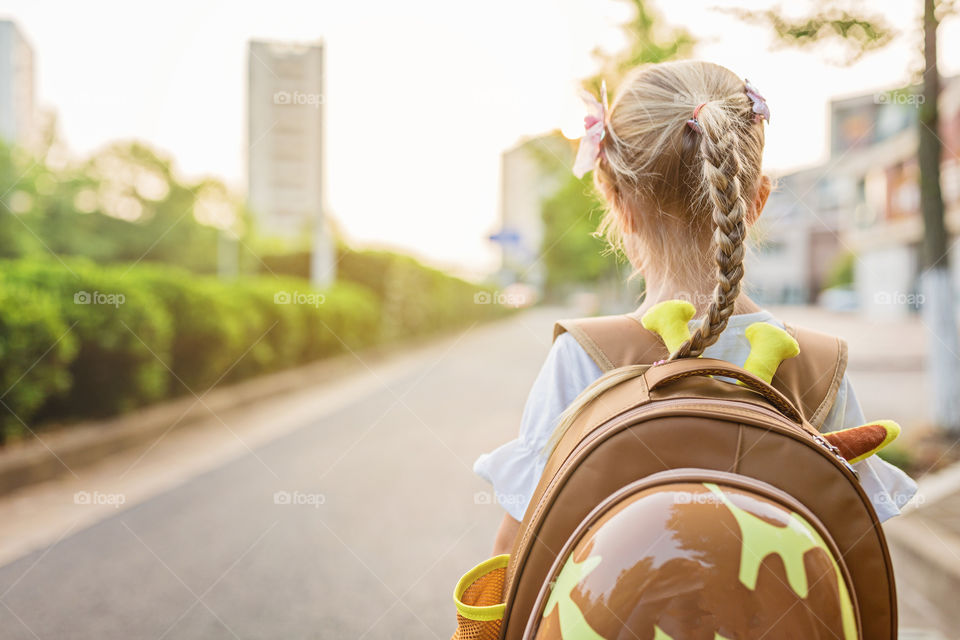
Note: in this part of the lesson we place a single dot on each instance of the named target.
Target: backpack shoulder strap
(614, 341)
(811, 380)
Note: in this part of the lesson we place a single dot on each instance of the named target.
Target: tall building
(526, 179)
(17, 116)
(285, 183)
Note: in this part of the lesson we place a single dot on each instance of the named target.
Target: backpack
(733, 476)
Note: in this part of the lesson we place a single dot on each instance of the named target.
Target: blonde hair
(668, 184)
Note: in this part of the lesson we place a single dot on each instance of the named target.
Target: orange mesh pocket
(479, 600)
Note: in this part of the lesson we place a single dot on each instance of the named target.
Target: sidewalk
(925, 546)
(883, 356)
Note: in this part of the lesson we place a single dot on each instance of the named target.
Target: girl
(678, 162)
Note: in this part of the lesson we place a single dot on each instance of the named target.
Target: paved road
(382, 516)
(216, 557)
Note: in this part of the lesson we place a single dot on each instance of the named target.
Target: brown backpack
(676, 418)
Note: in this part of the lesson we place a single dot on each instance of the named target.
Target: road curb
(73, 446)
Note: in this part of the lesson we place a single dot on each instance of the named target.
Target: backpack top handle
(664, 373)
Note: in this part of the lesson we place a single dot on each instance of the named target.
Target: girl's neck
(701, 294)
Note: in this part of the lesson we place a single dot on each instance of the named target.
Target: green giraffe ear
(669, 320)
(769, 346)
(858, 443)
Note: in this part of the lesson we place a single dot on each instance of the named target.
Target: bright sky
(422, 95)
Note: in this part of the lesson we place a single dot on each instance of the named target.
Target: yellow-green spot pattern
(760, 538)
(573, 626)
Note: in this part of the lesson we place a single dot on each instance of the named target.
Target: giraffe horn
(769, 346)
(669, 320)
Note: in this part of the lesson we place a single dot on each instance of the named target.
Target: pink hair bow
(760, 109)
(594, 123)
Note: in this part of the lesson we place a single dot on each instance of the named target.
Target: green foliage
(124, 204)
(858, 33)
(208, 332)
(78, 340)
(572, 252)
(122, 330)
(899, 456)
(35, 349)
(417, 300)
(648, 41)
(841, 271)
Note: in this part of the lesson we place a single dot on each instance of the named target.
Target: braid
(722, 176)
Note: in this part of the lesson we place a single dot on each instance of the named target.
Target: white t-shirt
(514, 468)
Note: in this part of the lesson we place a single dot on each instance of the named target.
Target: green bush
(273, 331)
(841, 271)
(209, 326)
(123, 334)
(35, 351)
(130, 335)
(417, 300)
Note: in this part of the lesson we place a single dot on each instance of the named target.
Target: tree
(570, 251)
(864, 33)
(122, 204)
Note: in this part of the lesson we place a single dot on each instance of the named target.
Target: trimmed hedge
(79, 340)
(36, 347)
(417, 300)
(123, 333)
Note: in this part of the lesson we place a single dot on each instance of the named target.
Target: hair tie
(693, 123)
(595, 130)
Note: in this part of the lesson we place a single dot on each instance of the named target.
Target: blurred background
(271, 277)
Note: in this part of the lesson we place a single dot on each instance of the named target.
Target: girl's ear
(760, 201)
(615, 202)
